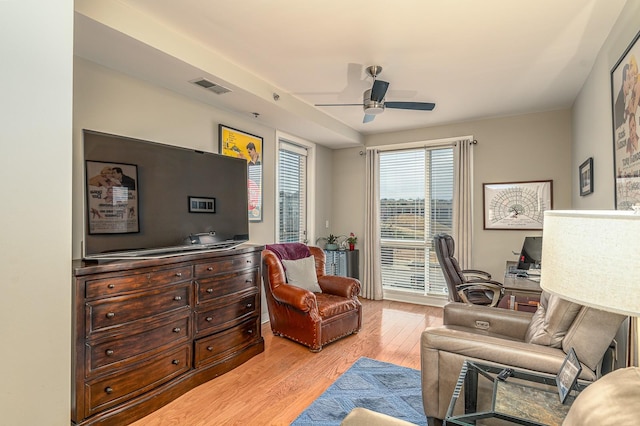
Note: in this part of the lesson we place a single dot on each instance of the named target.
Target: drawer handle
(108, 390)
(209, 290)
(210, 268)
(175, 362)
(111, 286)
(249, 305)
(249, 261)
(250, 331)
(179, 274)
(210, 348)
(109, 352)
(248, 281)
(209, 319)
(110, 315)
(176, 330)
(177, 298)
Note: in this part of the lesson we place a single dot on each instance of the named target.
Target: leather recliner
(310, 318)
(536, 342)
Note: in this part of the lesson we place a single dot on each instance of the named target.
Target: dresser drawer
(164, 331)
(111, 390)
(106, 313)
(226, 284)
(229, 264)
(121, 284)
(219, 317)
(217, 346)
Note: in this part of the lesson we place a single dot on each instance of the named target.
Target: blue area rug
(375, 385)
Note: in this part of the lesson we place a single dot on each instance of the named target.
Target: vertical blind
(416, 200)
(292, 189)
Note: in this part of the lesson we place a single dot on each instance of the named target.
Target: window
(416, 202)
(292, 189)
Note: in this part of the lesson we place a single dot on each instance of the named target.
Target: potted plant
(352, 240)
(331, 242)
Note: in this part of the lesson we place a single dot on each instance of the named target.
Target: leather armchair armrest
(339, 286)
(513, 324)
(299, 298)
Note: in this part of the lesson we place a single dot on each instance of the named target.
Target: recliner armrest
(339, 286)
(513, 324)
(300, 298)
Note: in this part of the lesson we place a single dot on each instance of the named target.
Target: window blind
(292, 189)
(416, 199)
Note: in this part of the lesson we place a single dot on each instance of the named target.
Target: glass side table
(524, 398)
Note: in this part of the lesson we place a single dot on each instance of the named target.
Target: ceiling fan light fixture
(373, 108)
(370, 106)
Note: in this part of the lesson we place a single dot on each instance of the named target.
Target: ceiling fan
(373, 101)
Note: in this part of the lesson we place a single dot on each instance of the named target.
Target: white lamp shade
(593, 258)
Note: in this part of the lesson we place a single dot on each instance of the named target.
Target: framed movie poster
(239, 144)
(625, 92)
(112, 198)
(516, 205)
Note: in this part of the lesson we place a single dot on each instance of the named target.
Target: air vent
(209, 85)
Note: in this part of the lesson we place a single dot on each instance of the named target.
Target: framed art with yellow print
(239, 144)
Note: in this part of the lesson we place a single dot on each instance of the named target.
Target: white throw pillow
(302, 273)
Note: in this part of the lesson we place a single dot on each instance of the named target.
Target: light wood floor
(274, 387)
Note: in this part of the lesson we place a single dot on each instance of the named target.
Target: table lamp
(593, 258)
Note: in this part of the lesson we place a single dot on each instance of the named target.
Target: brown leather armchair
(470, 286)
(536, 342)
(312, 319)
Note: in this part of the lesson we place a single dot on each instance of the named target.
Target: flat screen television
(531, 253)
(145, 199)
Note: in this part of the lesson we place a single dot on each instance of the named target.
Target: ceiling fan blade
(378, 90)
(360, 104)
(368, 118)
(422, 106)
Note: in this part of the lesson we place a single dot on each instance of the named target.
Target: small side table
(525, 398)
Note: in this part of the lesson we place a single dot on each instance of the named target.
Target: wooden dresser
(147, 331)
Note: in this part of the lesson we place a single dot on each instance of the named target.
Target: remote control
(505, 374)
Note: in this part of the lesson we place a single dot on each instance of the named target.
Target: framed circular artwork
(516, 205)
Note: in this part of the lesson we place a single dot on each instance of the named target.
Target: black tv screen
(146, 199)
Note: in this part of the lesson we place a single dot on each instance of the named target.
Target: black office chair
(469, 286)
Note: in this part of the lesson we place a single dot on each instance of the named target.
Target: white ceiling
(474, 59)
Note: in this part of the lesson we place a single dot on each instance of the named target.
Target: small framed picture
(586, 177)
(568, 375)
(202, 205)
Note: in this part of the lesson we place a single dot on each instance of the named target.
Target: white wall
(592, 115)
(519, 148)
(35, 217)
(111, 102)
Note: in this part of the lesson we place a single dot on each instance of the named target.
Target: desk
(526, 292)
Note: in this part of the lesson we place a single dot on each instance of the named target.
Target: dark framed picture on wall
(625, 92)
(239, 144)
(586, 177)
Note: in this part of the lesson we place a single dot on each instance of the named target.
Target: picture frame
(568, 375)
(112, 197)
(202, 205)
(239, 144)
(585, 172)
(625, 99)
(516, 205)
